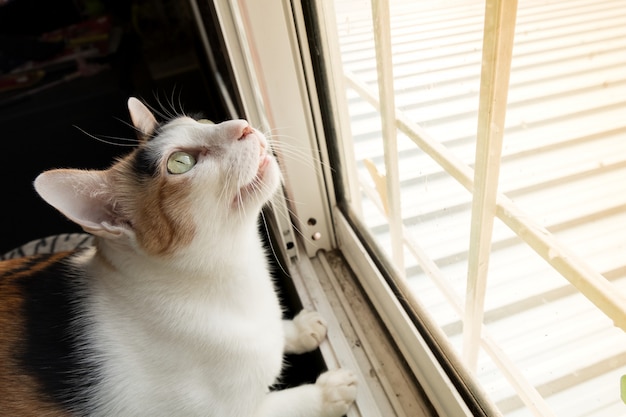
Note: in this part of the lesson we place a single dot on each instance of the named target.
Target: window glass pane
(549, 345)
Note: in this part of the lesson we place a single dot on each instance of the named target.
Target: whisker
(270, 242)
(181, 108)
(288, 150)
(226, 186)
(163, 111)
(122, 139)
(294, 220)
(108, 142)
(170, 100)
(240, 207)
(125, 122)
(129, 124)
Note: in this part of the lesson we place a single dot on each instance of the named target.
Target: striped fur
(172, 311)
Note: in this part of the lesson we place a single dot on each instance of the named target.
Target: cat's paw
(307, 332)
(338, 391)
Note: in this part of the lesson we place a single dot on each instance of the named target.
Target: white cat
(174, 312)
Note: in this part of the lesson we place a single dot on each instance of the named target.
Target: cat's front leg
(331, 396)
(305, 332)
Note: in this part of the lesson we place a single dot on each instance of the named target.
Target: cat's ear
(85, 197)
(142, 118)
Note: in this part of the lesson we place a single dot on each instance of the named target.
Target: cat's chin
(260, 189)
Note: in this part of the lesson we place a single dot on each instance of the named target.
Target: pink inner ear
(142, 118)
(82, 196)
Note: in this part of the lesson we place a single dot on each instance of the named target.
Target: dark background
(153, 53)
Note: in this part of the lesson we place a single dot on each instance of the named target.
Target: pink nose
(246, 131)
(237, 129)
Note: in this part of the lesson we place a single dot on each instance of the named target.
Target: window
(468, 159)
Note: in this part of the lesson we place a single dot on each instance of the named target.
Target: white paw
(310, 330)
(338, 391)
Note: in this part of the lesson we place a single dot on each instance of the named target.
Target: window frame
(487, 204)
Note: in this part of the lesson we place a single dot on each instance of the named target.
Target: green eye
(180, 162)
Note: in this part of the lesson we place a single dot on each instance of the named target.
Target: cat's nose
(246, 131)
(237, 129)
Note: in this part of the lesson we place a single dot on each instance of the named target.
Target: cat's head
(186, 180)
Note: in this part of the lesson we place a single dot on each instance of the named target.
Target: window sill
(357, 339)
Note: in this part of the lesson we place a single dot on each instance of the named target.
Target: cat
(173, 311)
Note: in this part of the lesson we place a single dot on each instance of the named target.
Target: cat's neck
(181, 295)
(208, 263)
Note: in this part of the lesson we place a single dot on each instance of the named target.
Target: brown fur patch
(19, 392)
(157, 208)
(164, 223)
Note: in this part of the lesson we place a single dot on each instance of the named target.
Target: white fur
(197, 332)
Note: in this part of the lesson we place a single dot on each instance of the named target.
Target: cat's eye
(180, 162)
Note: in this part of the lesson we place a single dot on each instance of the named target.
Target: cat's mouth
(264, 161)
(256, 186)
